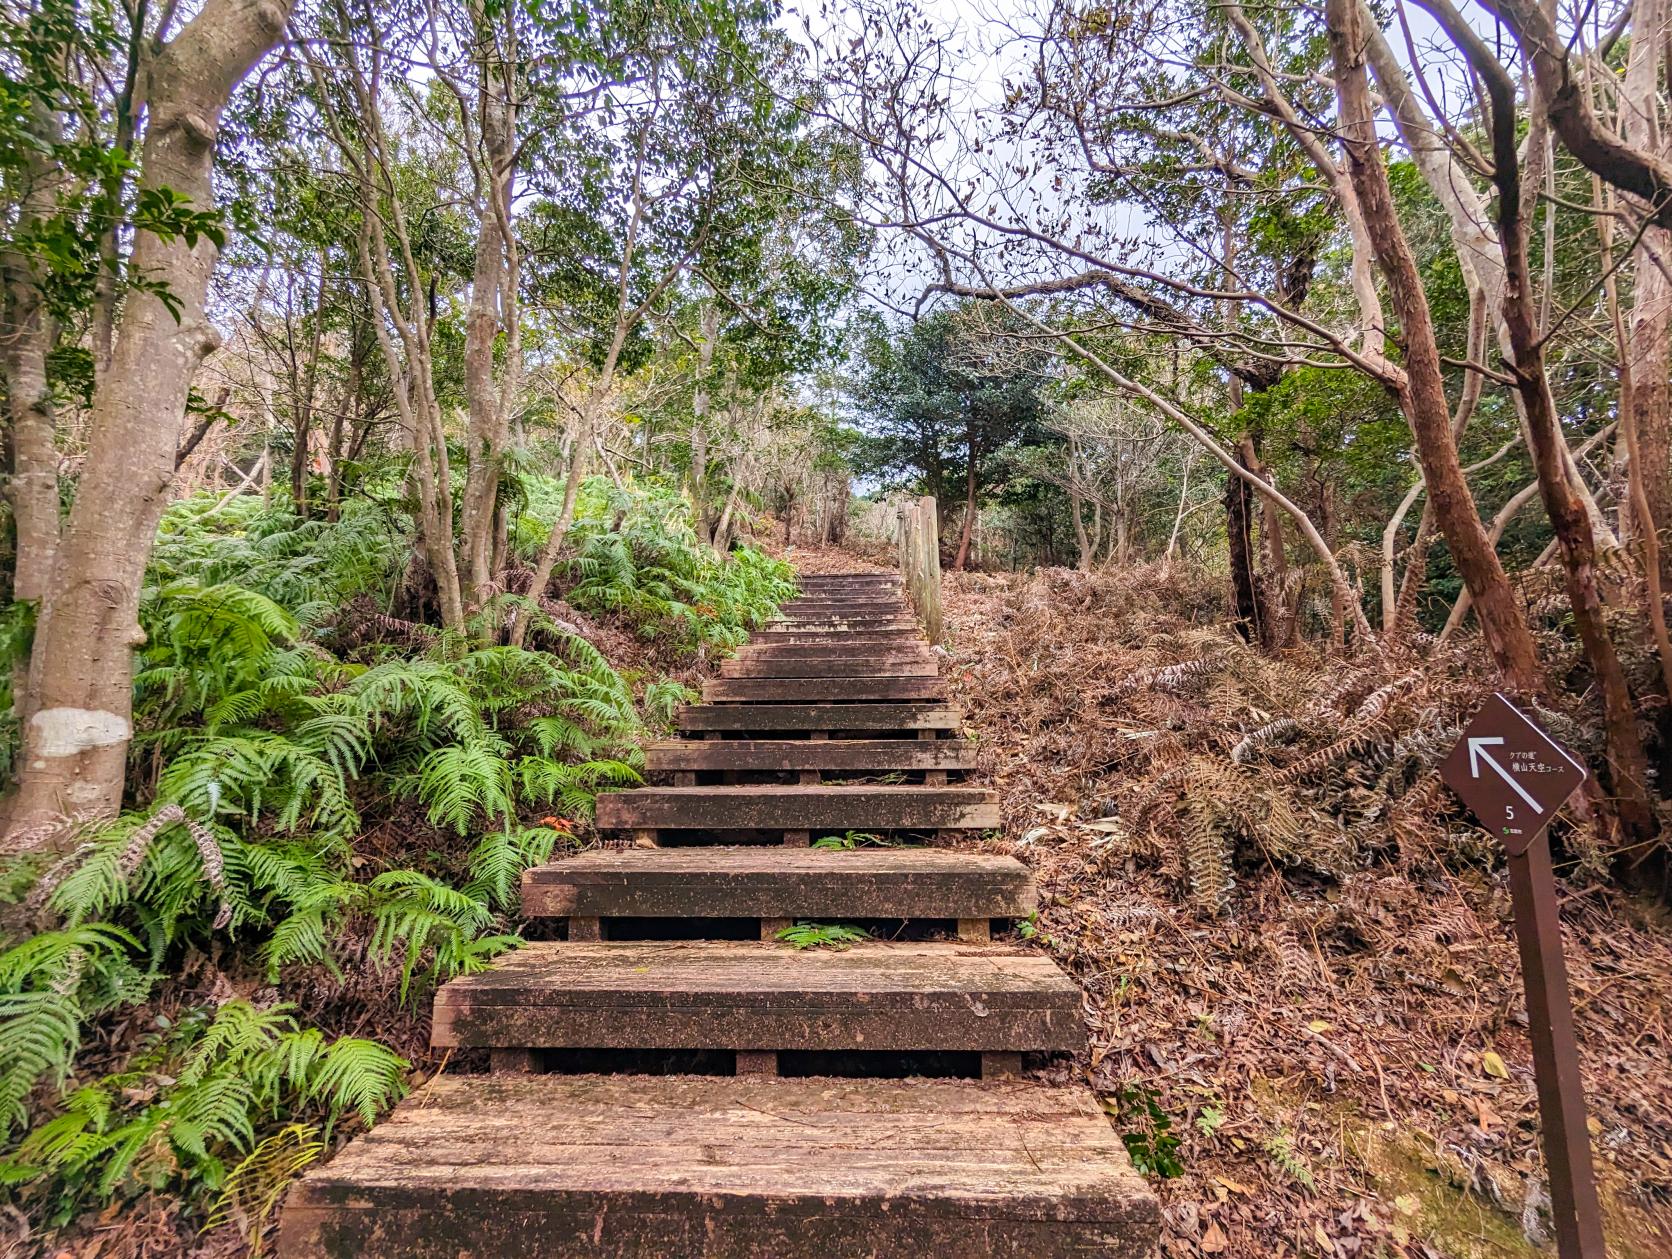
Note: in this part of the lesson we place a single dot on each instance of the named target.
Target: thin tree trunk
(970, 484)
(29, 334)
(1647, 356)
(1178, 518)
(1421, 389)
(579, 448)
(493, 303)
(1636, 473)
(1574, 536)
(708, 330)
(304, 403)
(1415, 575)
(1239, 521)
(1075, 504)
(75, 744)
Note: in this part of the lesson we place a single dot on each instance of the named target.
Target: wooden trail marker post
(1514, 777)
(919, 539)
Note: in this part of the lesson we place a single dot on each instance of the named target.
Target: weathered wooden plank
(854, 755)
(778, 637)
(831, 717)
(844, 618)
(659, 994)
(635, 1167)
(841, 609)
(870, 581)
(834, 690)
(890, 616)
(780, 883)
(851, 666)
(872, 592)
(798, 808)
(809, 580)
(880, 648)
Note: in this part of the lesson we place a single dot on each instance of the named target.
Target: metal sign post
(1514, 777)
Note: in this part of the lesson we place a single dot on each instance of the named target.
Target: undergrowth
(327, 796)
(1296, 949)
(636, 553)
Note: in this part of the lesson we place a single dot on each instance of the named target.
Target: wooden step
(892, 618)
(860, 645)
(862, 574)
(833, 718)
(660, 994)
(845, 607)
(706, 1167)
(830, 666)
(822, 690)
(811, 581)
(893, 614)
(798, 808)
(897, 636)
(779, 883)
(831, 755)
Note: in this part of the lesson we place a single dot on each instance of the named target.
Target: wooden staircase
(772, 1103)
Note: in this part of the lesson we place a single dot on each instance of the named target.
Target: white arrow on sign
(1478, 753)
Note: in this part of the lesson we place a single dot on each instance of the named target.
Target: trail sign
(1514, 777)
(1510, 773)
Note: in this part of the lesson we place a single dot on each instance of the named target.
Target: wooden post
(919, 543)
(1001, 1065)
(513, 1061)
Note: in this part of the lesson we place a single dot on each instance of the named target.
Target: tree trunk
(708, 331)
(578, 450)
(348, 406)
(1479, 255)
(1421, 389)
(1636, 496)
(1075, 505)
(75, 745)
(304, 402)
(1647, 406)
(1239, 534)
(1574, 536)
(493, 307)
(970, 484)
(28, 333)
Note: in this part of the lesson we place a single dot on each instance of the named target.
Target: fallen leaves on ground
(1289, 937)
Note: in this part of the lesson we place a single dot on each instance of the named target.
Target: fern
(499, 859)
(636, 555)
(40, 1008)
(211, 1086)
(280, 731)
(416, 916)
(813, 935)
(255, 1187)
(663, 699)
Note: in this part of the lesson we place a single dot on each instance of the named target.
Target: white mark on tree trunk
(69, 731)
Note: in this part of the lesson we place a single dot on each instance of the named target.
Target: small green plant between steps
(850, 840)
(818, 935)
(1146, 1131)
